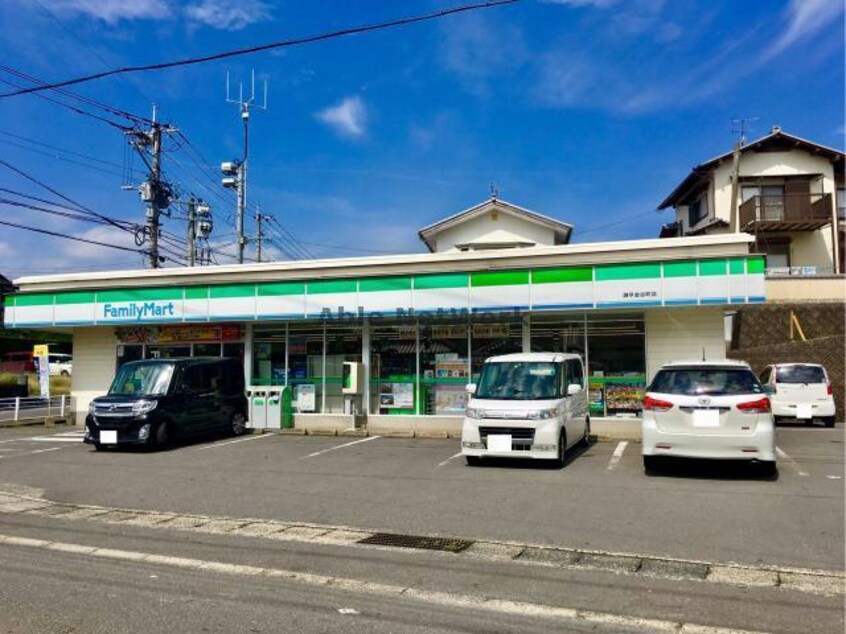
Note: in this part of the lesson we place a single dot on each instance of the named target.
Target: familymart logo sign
(139, 311)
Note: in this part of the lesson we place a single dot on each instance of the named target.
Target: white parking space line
(441, 464)
(618, 453)
(830, 477)
(56, 438)
(29, 453)
(232, 442)
(348, 444)
(783, 455)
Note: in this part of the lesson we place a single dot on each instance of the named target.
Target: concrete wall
(483, 228)
(805, 289)
(93, 366)
(678, 334)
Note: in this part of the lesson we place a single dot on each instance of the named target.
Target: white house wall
(680, 334)
(93, 365)
(811, 248)
(506, 228)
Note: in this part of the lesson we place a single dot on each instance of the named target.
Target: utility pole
(192, 231)
(740, 127)
(154, 191)
(236, 171)
(259, 234)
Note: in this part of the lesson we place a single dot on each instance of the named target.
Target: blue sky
(589, 111)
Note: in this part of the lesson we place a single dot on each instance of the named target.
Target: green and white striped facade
(679, 288)
(734, 280)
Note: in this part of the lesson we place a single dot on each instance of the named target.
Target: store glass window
(490, 339)
(616, 364)
(167, 352)
(234, 350)
(393, 369)
(558, 334)
(305, 367)
(127, 353)
(444, 368)
(268, 356)
(343, 343)
(206, 349)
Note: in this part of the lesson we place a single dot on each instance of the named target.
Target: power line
(67, 237)
(264, 47)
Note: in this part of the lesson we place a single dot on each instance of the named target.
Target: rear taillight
(656, 404)
(761, 406)
(828, 389)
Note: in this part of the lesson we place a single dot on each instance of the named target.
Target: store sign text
(139, 310)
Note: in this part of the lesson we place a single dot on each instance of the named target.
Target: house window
(696, 213)
(841, 203)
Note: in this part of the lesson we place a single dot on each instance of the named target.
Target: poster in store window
(450, 399)
(305, 396)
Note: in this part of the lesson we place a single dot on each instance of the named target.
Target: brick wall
(761, 336)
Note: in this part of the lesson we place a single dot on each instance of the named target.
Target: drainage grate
(447, 544)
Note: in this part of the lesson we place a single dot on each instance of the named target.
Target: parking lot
(600, 500)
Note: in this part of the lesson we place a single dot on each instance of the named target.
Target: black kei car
(155, 401)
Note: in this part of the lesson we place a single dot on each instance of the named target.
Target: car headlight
(543, 414)
(91, 407)
(142, 407)
(475, 412)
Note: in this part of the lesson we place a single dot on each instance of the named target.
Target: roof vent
(776, 129)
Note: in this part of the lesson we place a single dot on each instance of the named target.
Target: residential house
(789, 193)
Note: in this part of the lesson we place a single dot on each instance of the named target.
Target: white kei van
(531, 405)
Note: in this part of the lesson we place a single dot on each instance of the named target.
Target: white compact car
(705, 409)
(801, 391)
(60, 364)
(531, 405)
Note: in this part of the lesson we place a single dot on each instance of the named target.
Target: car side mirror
(573, 389)
(471, 388)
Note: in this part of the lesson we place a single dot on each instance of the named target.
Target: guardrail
(33, 408)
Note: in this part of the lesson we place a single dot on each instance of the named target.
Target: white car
(708, 409)
(60, 364)
(801, 391)
(531, 405)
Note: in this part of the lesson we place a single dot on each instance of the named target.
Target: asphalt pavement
(262, 497)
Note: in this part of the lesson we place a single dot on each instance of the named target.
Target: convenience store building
(498, 279)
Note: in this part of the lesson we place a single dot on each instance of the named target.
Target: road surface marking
(441, 464)
(347, 444)
(56, 438)
(564, 615)
(783, 455)
(29, 453)
(232, 442)
(834, 477)
(618, 453)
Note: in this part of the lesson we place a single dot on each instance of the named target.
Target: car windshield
(706, 381)
(519, 380)
(800, 374)
(142, 379)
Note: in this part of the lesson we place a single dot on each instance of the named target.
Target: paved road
(151, 578)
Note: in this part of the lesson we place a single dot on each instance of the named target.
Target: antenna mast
(236, 171)
(739, 127)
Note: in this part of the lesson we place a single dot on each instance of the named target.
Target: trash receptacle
(257, 397)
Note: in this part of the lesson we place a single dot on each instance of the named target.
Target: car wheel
(586, 438)
(161, 439)
(473, 461)
(650, 464)
(562, 449)
(809, 422)
(65, 373)
(238, 424)
(829, 421)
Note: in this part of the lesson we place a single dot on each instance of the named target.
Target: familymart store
(419, 325)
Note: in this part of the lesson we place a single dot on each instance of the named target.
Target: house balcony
(787, 212)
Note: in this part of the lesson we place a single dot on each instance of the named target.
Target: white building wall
(811, 248)
(94, 351)
(680, 334)
(483, 228)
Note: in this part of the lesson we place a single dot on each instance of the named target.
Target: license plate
(804, 410)
(706, 418)
(499, 442)
(108, 437)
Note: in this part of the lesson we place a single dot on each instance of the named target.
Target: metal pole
(259, 234)
(153, 211)
(192, 232)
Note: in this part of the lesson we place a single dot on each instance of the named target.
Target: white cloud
(805, 17)
(85, 252)
(112, 11)
(229, 15)
(348, 118)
